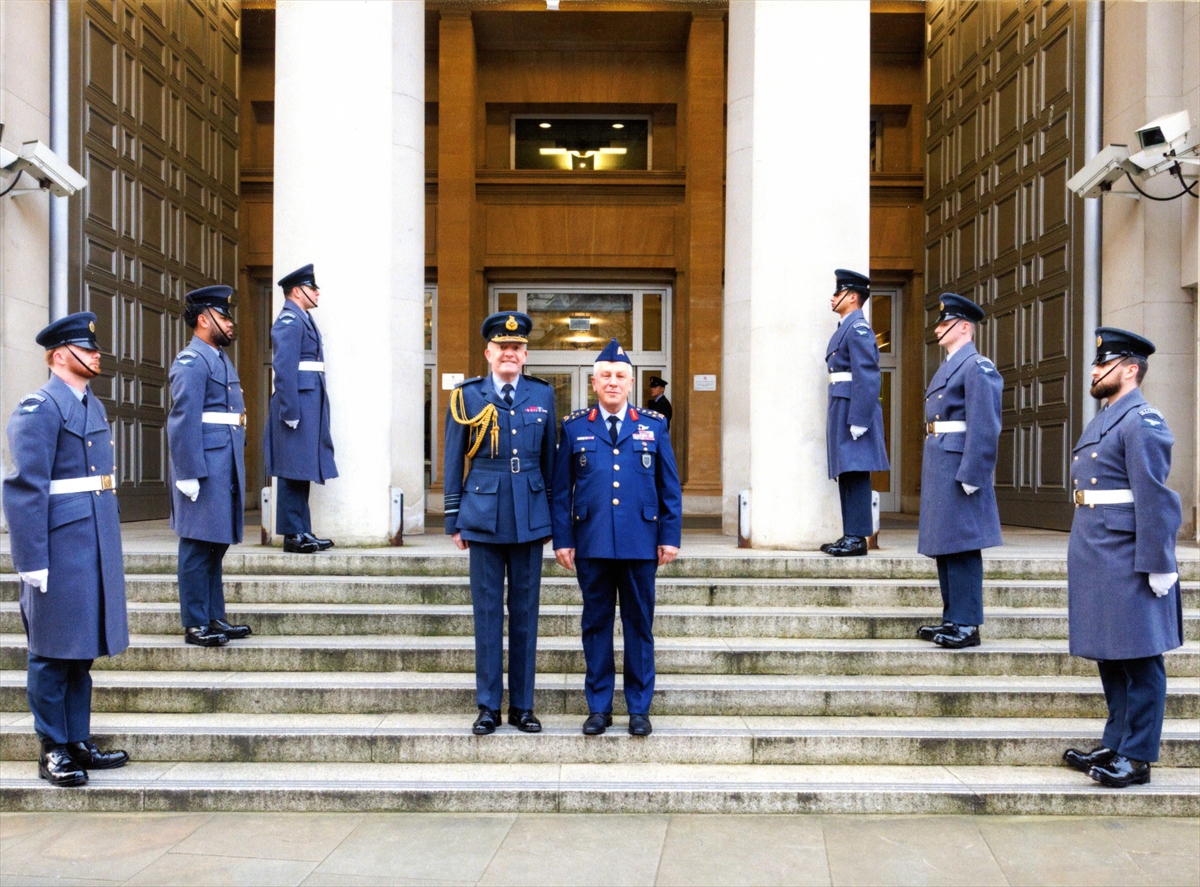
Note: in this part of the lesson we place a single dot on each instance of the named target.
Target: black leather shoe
(88, 757)
(848, 546)
(1083, 761)
(524, 720)
(639, 725)
(322, 544)
(58, 767)
(597, 722)
(927, 632)
(203, 636)
(1121, 772)
(487, 722)
(828, 545)
(958, 636)
(233, 632)
(299, 544)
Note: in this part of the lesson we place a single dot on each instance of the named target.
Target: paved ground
(198, 849)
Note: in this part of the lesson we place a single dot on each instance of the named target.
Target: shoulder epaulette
(645, 411)
(470, 380)
(576, 414)
(536, 379)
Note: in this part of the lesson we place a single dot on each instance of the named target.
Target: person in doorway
(854, 424)
(1123, 602)
(297, 443)
(64, 525)
(499, 460)
(959, 516)
(206, 439)
(658, 399)
(618, 517)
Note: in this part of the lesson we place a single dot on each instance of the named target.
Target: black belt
(505, 466)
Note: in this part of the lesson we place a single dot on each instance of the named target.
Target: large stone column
(333, 207)
(797, 206)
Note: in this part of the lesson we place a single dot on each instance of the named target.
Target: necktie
(612, 429)
(83, 400)
(508, 390)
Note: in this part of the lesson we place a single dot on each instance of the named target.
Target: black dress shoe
(487, 722)
(1121, 772)
(639, 725)
(299, 544)
(322, 544)
(927, 632)
(203, 636)
(58, 767)
(524, 720)
(88, 757)
(1083, 761)
(848, 546)
(233, 632)
(958, 636)
(828, 545)
(597, 722)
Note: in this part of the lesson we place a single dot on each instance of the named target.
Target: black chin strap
(307, 298)
(217, 328)
(86, 369)
(957, 321)
(1109, 373)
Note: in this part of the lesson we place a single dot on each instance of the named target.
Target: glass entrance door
(883, 310)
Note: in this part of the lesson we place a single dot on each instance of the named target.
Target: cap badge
(941, 306)
(620, 350)
(511, 323)
(91, 326)
(1099, 341)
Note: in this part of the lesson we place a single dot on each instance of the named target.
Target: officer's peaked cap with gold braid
(507, 326)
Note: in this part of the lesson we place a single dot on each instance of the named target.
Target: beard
(1106, 386)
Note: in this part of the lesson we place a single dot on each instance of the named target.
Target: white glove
(857, 431)
(1161, 583)
(37, 578)
(189, 488)
(291, 423)
(968, 489)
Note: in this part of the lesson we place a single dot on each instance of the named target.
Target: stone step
(455, 590)
(698, 656)
(600, 788)
(1004, 696)
(446, 738)
(557, 619)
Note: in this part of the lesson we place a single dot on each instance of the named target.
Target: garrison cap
(1112, 343)
(214, 297)
(656, 382)
(74, 329)
(302, 276)
(507, 326)
(954, 306)
(852, 280)
(614, 353)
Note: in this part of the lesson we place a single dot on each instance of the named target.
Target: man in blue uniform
(958, 499)
(297, 443)
(658, 399)
(854, 427)
(206, 437)
(618, 516)
(1123, 604)
(65, 531)
(499, 458)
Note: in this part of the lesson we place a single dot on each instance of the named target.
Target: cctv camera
(1101, 171)
(1165, 133)
(49, 169)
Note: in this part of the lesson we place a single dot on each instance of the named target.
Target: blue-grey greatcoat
(76, 536)
(601, 520)
(1112, 613)
(203, 380)
(853, 349)
(505, 497)
(305, 452)
(966, 387)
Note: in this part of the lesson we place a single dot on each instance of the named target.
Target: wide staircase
(785, 684)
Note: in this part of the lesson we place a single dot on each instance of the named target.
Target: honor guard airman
(1123, 603)
(297, 441)
(618, 516)
(959, 516)
(65, 531)
(658, 399)
(854, 420)
(206, 439)
(499, 459)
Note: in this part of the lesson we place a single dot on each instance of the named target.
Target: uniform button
(616, 501)
(512, 412)
(1094, 455)
(616, 452)
(939, 397)
(514, 452)
(97, 492)
(539, 420)
(514, 431)
(1076, 458)
(616, 483)
(937, 417)
(616, 468)
(89, 443)
(93, 468)
(228, 387)
(1076, 481)
(1093, 480)
(927, 400)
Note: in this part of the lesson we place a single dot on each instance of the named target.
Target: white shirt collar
(604, 414)
(500, 385)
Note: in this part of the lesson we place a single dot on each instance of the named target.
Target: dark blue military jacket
(616, 502)
(305, 452)
(505, 496)
(853, 350)
(966, 387)
(1112, 613)
(76, 536)
(204, 381)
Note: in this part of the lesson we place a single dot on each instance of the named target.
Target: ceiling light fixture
(544, 125)
(618, 126)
